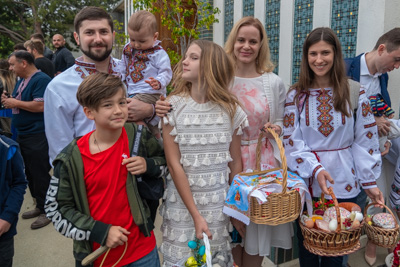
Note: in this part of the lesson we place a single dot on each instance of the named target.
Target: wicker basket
(386, 238)
(333, 244)
(281, 207)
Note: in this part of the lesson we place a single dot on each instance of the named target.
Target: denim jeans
(150, 260)
(308, 259)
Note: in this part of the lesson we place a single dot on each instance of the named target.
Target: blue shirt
(27, 122)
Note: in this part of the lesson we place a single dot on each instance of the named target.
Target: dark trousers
(308, 259)
(153, 206)
(35, 152)
(6, 252)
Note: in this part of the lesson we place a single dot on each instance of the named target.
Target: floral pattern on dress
(254, 102)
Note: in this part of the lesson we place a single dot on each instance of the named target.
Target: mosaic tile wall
(303, 15)
(248, 8)
(206, 34)
(272, 22)
(228, 18)
(344, 23)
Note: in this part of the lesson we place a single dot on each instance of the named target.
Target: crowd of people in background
(104, 124)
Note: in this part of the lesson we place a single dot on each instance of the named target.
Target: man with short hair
(36, 48)
(64, 117)
(47, 52)
(27, 108)
(63, 58)
(370, 69)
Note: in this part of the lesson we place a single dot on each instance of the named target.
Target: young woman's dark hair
(338, 78)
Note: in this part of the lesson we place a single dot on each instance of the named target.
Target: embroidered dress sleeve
(299, 156)
(365, 148)
(164, 74)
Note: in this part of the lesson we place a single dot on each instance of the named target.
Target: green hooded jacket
(66, 201)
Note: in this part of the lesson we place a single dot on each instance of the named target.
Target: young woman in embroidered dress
(201, 139)
(262, 95)
(324, 142)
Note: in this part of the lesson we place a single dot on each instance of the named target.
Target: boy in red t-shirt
(93, 196)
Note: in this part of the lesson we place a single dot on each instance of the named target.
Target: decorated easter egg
(359, 216)
(333, 225)
(191, 261)
(192, 244)
(202, 250)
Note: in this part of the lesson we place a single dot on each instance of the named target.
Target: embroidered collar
(88, 68)
(129, 51)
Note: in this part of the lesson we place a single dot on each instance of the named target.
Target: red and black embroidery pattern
(288, 120)
(315, 170)
(368, 184)
(299, 160)
(370, 125)
(370, 135)
(325, 118)
(139, 58)
(82, 74)
(348, 188)
(366, 109)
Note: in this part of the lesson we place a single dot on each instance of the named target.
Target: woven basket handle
(383, 206)
(282, 155)
(338, 217)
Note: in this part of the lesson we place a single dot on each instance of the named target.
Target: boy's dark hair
(391, 40)
(97, 87)
(142, 18)
(37, 36)
(19, 46)
(92, 13)
(21, 55)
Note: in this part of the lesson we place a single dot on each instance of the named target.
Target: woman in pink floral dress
(262, 95)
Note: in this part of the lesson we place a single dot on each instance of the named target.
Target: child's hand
(135, 165)
(201, 227)
(116, 236)
(156, 85)
(391, 116)
(162, 107)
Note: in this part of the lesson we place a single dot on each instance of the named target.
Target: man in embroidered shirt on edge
(64, 119)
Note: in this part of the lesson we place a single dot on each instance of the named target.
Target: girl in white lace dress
(202, 146)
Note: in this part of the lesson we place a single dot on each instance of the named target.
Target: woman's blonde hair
(263, 60)
(7, 77)
(337, 74)
(216, 74)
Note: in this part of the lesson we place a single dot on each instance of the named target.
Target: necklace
(95, 142)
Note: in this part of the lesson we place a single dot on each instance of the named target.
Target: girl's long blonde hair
(263, 61)
(216, 74)
(7, 77)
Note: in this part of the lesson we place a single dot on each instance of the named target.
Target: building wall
(358, 24)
